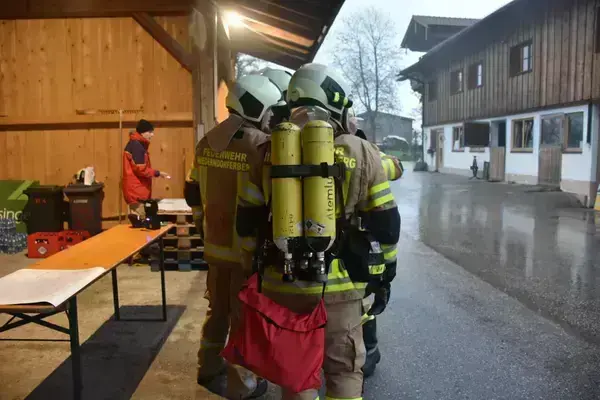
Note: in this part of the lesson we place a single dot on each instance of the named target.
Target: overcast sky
(401, 11)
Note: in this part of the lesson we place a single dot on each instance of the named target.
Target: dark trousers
(370, 335)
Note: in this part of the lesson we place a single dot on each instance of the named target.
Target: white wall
(575, 166)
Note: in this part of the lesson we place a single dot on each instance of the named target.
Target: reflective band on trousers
(338, 281)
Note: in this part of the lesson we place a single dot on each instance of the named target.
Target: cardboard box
(13, 201)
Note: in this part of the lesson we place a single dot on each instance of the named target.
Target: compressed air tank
(318, 192)
(286, 203)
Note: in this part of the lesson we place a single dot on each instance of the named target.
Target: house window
(574, 133)
(563, 130)
(552, 131)
(458, 138)
(522, 135)
(475, 76)
(456, 82)
(432, 90)
(520, 59)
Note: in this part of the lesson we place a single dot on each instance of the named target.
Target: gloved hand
(382, 297)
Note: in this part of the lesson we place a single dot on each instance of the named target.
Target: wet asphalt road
(496, 295)
(490, 276)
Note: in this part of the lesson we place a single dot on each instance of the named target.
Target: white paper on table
(173, 205)
(27, 286)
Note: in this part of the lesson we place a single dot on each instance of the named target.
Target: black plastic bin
(85, 207)
(45, 209)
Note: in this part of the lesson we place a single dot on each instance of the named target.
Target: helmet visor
(301, 115)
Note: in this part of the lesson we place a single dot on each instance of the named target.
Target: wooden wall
(49, 68)
(566, 68)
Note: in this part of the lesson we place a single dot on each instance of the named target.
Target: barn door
(551, 147)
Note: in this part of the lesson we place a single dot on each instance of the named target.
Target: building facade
(385, 125)
(519, 89)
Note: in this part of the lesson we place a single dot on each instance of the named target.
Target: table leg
(161, 263)
(115, 285)
(75, 349)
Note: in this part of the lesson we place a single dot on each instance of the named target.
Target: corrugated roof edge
(451, 21)
(402, 74)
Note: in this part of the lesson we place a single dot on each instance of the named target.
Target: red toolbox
(74, 237)
(44, 244)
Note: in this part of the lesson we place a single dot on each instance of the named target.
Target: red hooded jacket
(137, 170)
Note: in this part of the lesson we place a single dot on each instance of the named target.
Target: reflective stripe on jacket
(393, 166)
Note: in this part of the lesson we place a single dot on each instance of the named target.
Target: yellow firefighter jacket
(222, 177)
(365, 188)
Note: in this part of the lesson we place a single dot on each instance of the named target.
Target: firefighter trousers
(344, 347)
(223, 284)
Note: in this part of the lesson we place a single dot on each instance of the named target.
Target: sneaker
(371, 363)
(261, 388)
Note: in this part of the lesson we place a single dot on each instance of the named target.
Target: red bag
(277, 344)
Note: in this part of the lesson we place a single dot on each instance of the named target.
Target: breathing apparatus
(305, 179)
(303, 175)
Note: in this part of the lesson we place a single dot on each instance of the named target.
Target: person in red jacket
(137, 169)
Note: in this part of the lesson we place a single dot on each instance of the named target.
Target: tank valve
(320, 268)
(288, 268)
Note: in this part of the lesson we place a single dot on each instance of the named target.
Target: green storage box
(12, 200)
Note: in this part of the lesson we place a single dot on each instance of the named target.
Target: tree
(245, 64)
(368, 56)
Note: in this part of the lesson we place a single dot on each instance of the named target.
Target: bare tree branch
(246, 64)
(367, 54)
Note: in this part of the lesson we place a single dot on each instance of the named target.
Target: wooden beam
(92, 121)
(35, 9)
(164, 39)
(279, 34)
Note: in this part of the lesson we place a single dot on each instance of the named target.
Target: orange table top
(107, 249)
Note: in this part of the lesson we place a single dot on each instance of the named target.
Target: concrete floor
(121, 360)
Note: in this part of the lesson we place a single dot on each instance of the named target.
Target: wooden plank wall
(55, 66)
(565, 68)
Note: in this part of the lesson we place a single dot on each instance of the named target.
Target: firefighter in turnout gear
(318, 100)
(379, 289)
(223, 162)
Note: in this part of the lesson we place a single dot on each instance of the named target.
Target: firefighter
(222, 163)
(378, 290)
(316, 92)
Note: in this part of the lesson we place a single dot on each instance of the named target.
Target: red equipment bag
(277, 344)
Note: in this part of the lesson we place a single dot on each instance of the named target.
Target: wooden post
(203, 24)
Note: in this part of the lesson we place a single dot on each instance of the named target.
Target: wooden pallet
(183, 245)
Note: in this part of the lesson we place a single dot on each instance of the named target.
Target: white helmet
(279, 77)
(318, 85)
(251, 96)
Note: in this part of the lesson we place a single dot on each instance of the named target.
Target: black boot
(373, 354)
